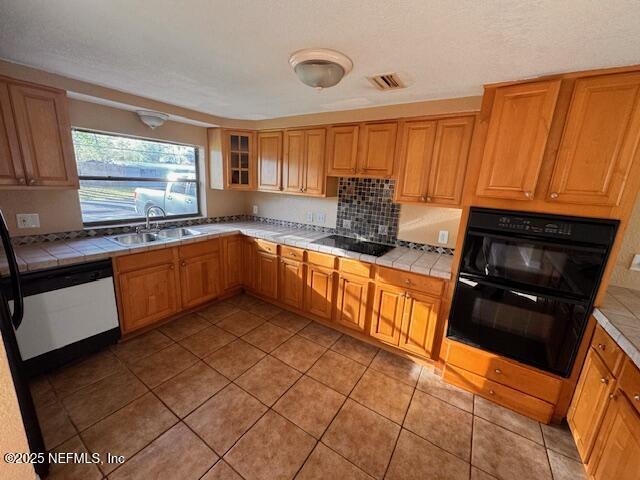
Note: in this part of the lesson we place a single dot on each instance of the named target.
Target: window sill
(141, 223)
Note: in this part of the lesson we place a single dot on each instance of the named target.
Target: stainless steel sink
(135, 238)
(159, 236)
(172, 233)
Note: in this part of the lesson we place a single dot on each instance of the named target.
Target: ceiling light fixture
(151, 119)
(320, 67)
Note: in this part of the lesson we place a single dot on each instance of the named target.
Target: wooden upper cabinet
(342, 147)
(240, 159)
(376, 149)
(599, 142)
(294, 160)
(315, 153)
(419, 322)
(516, 139)
(43, 130)
(416, 152)
(11, 170)
(269, 161)
(433, 159)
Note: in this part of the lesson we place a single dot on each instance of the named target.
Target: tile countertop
(619, 315)
(67, 252)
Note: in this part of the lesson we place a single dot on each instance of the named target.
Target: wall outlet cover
(28, 220)
(309, 217)
(321, 218)
(255, 209)
(346, 224)
(443, 236)
(635, 263)
(383, 230)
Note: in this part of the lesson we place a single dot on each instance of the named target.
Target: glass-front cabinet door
(240, 159)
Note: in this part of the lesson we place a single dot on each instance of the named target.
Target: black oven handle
(539, 241)
(518, 287)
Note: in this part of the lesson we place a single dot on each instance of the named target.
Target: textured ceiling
(230, 57)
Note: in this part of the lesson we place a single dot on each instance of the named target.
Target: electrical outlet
(28, 220)
(346, 224)
(321, 218)
(383, 230)
(309, 217)
(255, 209)
(635, 263)
(443, 236)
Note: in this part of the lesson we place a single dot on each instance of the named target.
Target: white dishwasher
(68, 312)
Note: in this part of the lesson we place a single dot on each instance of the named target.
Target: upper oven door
(557, 267)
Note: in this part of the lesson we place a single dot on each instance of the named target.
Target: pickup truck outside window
(121, 177)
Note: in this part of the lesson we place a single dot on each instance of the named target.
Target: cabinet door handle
(408, 295)
(172, 267)
(636, 397)
(528, 195)
(553, 195)
(601, 346)
(604, 380)
(33, 181)
(428, 199)
(183, 263)
(21, 181)
(423, 198)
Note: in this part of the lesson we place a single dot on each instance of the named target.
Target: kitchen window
(121, 177)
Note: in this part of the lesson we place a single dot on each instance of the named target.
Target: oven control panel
(534, 225)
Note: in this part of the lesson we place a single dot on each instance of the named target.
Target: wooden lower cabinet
(616, 453)
(386, 316)
(200, 279)
(148, 294)
(589, 403)
(291, 281)
(232, 261)
(419, 322)
(351, 301)
(318, 291)
(267, 275)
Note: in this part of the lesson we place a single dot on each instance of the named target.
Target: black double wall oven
(526, 284)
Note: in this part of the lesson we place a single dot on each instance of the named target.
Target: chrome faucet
(148, 221)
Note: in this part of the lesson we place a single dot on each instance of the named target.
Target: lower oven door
(539, 330)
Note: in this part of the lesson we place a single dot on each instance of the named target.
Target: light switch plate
(346, 224)
(321, 218)
(443, 236)
(309, 217)
(28, 220)
(635, 263)
(255, 209)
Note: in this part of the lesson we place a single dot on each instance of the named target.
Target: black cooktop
(355, 245)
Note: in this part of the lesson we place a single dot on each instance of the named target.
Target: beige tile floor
(246, 390)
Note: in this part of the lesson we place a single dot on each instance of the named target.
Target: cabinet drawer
(199, 248)
(504, 372)
(321, 259)
(355, 267)
(607, 349)
(137, 261)
(520, 402)
(421, 283)
(630, 383)
(291, 253)
(266, 246)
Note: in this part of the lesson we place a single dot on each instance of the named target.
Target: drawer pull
(491, 392)
(604, 380)
(183, 263)
(408, 281)
(601, 346)
(498, 371)
(636, 397)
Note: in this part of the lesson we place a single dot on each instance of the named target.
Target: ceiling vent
(387, 81)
